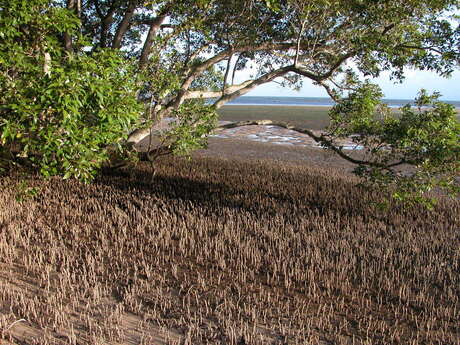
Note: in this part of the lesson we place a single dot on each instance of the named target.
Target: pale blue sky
(415, 80)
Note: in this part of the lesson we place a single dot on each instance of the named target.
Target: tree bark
(106, 21)
(235, 91)
(197, 70)
(124, 25)
(153, 30)
(214, 94)
(72, 5)
(250, 86)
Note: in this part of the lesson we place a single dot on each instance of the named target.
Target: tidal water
(312, 101)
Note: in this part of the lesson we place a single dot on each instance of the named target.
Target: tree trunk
(124, 25)
(153, 30)
(72, 5)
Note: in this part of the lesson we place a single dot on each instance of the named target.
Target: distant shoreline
(322, 102)
(277, 105)
(299, 106)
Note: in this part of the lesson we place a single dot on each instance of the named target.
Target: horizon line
(327, 97)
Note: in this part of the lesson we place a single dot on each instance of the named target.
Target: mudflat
(312, 117)
(248, 243)
(225, 250)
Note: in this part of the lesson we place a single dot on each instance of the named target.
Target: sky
(415, 80)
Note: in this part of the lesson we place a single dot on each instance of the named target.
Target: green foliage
(414, 151)
(60, 112)
(273, 5)
(68, 100)
(25, 192)
(195, 121)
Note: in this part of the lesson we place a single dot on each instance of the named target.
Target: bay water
(313, 101)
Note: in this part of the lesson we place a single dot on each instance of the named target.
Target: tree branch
(214, 94)
(98, 9)
(154, 27)
(330, 91)
(235, 67)
(182, 94)
(150, 21)
(320, 139)
(248, 86)
(75, 6)
(227, 71)
(241, 49)
(329, 73)
(296, 60)
(198, 69)
(124, 25)
(106, 23)
(408, 46)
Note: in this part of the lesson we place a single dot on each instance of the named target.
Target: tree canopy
(83, 80)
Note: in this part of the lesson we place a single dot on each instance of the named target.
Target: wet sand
(238, 149)
(275, 143)
(312, 117)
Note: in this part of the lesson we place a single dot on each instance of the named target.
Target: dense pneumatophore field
(225, 252)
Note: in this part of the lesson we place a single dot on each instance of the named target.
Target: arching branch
(252, 85)
(320, 139)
